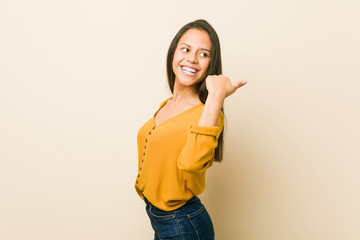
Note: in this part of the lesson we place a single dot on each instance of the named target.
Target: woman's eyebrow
(204, 49)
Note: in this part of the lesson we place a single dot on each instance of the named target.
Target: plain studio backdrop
(79, 78)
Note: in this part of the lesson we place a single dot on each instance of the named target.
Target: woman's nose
(192, 57)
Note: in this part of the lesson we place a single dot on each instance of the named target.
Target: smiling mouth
(189, 70)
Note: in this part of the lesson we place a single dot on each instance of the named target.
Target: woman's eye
(185, 49)
(203, 54)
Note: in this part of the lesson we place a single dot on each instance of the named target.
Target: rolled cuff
(211, 131)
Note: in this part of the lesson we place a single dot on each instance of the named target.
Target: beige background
(78, 79)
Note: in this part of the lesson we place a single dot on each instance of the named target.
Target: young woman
(184, 136)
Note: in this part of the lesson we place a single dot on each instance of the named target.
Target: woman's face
(192, 57)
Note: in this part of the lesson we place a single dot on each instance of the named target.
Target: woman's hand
(221, 85)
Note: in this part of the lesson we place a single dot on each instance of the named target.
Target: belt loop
(193, 199)
(145, 199)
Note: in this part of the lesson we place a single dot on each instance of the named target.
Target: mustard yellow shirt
(173, 157)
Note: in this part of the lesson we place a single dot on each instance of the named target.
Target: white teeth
(189, 70)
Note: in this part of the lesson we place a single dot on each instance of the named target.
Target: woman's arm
(198, 152)
(219, 87)
(211, 111)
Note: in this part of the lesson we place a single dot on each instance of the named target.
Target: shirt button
(140, 168)
(149, 133)
(137, 182)
(154, 127)
(145, 140)
(138, 175)
(145, 147)
(144, 154)
(142, 160)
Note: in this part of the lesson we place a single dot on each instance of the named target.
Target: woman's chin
(188, 82)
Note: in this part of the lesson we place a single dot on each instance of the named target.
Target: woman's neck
(185, 95)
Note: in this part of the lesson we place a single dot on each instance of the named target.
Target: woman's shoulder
(165, 101)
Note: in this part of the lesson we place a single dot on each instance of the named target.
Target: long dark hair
(215, 68)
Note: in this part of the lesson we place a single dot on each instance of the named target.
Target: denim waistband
(193, 199)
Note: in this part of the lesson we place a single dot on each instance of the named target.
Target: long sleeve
(198, 153)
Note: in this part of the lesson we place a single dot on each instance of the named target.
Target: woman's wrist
(217, 96)
(211, 111)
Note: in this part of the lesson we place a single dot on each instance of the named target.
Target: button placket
(142, 161)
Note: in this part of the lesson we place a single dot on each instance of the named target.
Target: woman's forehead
(196, 38)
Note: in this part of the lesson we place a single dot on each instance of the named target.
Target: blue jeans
(189, 222)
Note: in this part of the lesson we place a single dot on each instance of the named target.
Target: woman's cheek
(206, 64)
